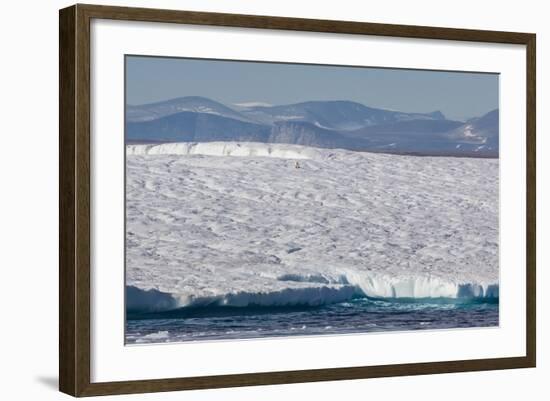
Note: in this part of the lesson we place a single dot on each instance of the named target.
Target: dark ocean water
(356, 316)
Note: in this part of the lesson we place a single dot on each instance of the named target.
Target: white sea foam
(206, 229)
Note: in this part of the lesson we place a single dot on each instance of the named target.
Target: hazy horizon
(458, 95)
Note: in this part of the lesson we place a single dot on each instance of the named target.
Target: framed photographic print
(250, 200)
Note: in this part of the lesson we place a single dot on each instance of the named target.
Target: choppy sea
(361, 315)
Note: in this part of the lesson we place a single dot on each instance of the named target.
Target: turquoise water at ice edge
(361, 315)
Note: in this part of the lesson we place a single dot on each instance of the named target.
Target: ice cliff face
(227, 149)
(271, 224)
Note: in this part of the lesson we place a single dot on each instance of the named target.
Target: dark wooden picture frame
(74, 199)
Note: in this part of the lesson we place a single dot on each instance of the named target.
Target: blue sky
(459, 95)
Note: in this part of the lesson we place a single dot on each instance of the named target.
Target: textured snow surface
(239, 224)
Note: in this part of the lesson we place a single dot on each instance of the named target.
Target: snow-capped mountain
(480, 133)
(196, 104)
(193, 126)
(337, 114)
(326, 124)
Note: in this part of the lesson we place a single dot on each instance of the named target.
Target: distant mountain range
(325, 124)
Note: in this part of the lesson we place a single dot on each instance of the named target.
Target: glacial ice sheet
(274, 224)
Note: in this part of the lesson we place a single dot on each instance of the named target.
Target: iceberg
(243, 224)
